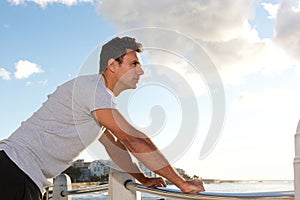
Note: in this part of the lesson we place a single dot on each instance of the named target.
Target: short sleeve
(103, 97)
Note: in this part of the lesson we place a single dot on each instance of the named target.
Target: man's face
(129, 71)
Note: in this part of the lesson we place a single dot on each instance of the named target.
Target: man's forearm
(146, 151)
(171, 174)
(119, 154)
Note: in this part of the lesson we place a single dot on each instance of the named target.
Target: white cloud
(288, 27)
(17, 2)
(43, 82)
(4, 74)
(269, 98)
(44, 3)
(25, 68)
(272, 9)
(247, 55)
(216, 20)
(28, 83)
(297, 69)
(164, 63)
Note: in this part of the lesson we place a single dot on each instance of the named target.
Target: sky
(247, 102)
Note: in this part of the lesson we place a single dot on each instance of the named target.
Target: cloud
(216, 20)
(44, 3)
(25, 68)
(4, 74)
(241, 57)
(272, 9)
(288, 27)
(43, 82)
(297, 69)
(269, 98)
(28, 83)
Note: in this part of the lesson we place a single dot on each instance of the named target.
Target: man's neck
(111, 83)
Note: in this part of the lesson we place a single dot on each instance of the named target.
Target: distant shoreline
(87, 184)
(242, 181)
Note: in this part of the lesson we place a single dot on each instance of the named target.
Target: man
(77, 113)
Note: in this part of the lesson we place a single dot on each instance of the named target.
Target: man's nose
(139, 71)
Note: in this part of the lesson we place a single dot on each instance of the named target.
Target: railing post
(61, 183)
(297, 164)
(116, 188)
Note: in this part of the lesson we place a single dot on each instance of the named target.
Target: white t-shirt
(49, 141)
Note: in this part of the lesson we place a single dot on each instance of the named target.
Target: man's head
(116, 49)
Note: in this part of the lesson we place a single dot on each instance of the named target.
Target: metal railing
(208, 195)
(64, 193)
(100, 188)
(131, 186)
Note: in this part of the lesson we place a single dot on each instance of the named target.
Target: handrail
(209, 195)
(175, 193)
(85, 190)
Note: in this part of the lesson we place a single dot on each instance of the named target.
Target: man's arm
(119, 154)
(144, 149)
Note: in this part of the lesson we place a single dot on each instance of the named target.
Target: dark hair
(120, 59)
(116, 49)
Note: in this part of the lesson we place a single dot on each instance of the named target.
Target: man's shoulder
(83, 79)
(88, 77)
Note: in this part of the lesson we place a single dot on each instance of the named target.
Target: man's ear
(111, 64)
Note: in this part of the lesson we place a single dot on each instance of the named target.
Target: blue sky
(253, 45)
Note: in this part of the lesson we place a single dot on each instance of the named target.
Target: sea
(224, 186)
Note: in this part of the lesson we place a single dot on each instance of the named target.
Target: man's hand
(192, 187)
(154, 182)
